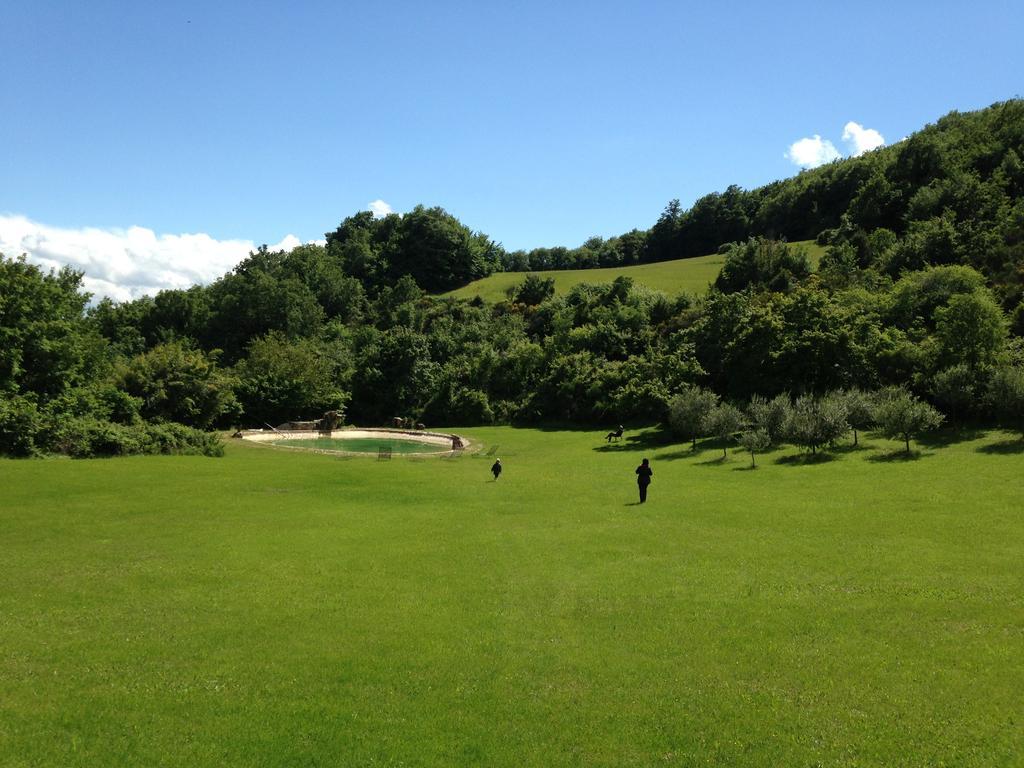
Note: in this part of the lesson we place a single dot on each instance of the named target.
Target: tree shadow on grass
(1003, 447)
(649, 439)
(744, 468)
(842, 450)
(684, 453)
(713, 462)
(806, 459)
(892, 457)
(951, 435)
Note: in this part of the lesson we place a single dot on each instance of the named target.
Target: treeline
(930, 302)
(600, 354)
(948, 194)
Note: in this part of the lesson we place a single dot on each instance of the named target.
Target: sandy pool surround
(431, 438)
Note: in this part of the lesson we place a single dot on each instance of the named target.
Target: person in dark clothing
(643, 479)
(496, 468)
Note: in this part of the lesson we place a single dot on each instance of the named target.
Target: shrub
(87, 437)
(20, 423)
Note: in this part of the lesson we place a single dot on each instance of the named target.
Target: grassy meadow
(671, 277)
(279, 608)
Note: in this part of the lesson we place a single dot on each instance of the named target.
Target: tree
(817, 421)
(762, 263)
(723, 422)
(46, 346)
(280, 380)
(533, 290)
(394, 374)
(899, 414)
(178, 383)
(688, 410)
(439, 251)
(956, 389)
(1006, 396)
(860, 410)
(971, 329)
(755, 440)
(770, 416)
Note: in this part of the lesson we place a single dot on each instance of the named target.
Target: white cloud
(812, 152)
(860, 139)
(128, 263)
(815, 151)
(380, 209)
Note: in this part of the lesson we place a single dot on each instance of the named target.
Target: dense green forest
(920, 287)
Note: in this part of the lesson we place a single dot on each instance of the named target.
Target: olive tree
(816, 421)
(755, 440)
(899, 414)
(688, 410)
(860, 410)
(770, 416)
(724, 421)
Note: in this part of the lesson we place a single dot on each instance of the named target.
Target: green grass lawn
(672, 277)
(278, 608)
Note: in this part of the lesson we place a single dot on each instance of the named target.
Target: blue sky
(175, 126)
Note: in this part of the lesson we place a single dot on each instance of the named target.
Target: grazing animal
(616, 435)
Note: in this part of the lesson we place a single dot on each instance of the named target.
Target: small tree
(688, 410)
(1006, 396)
(770, 416)
(901, 415)
(955, 389)
(724, 421)
(533, 290)
(860, 410)
(817, 421)
(755, 440)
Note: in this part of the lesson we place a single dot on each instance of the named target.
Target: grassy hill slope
(671, 277)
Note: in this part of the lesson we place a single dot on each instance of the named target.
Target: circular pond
(366, 444)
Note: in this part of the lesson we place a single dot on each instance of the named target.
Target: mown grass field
(276, 608)
(671, 277)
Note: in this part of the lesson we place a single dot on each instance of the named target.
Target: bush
(88, 437)
(20, 423)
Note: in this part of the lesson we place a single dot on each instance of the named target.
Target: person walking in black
(643, 479)
(496, 468)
